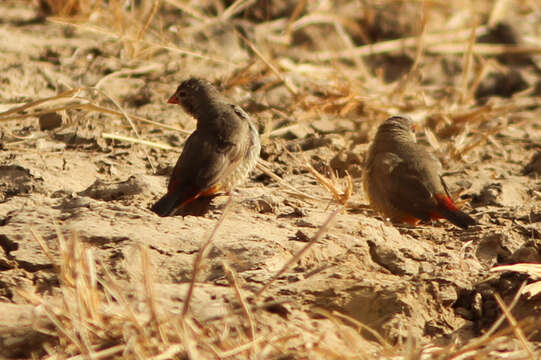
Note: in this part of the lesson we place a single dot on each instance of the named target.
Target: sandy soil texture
(72, 192)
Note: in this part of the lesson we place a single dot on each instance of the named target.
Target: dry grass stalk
(233, 279)
(458, 152)
(487, 337)
(188, 10)
(393, 45)
(73, 102)
(323, 228)
(331, 185)
(149, 293)
(93, 317)
(288, 84)
(359, 325)
(483, 49)
(134, 42)
(467, 60)
(514, 325)
(298, 193)
(138, 141)
(198, 262)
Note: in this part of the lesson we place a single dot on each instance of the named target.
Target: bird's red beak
(173, 99)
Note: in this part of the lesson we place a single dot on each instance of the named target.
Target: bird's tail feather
(447, 209)
(167, 204)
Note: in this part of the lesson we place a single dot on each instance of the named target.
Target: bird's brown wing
(203, 162)
(401, 182)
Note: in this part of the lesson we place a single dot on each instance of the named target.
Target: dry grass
(92, 316)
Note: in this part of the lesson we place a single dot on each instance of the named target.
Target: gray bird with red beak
(218, 155)
(403, 180)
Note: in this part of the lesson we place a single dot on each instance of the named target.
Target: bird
(218, 155)
(403, 179)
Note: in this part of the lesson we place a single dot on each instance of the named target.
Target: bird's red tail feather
(448, 210)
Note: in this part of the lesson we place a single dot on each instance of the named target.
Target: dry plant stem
(128, 118)
(111, 288)
(394, 45)
(362, 326)
(43, 246)
(499, 11)
(102, 354)
(468, 58)
(487, 337)
(107, 32)
(149, 292)
(137, 141)
(201, 255)
(232, 277)
(532, 269)
(188, 10)
(341, 198)
(513, 323)
(484, 136)
(290, 87)
(235, 8)
(89, 107)
(301, 252)
(66, 94)
(148, 20)
(169, 353)
(479, 77)
(261, 166)
(294, 16)
(483, 49)
(139, 71)
(138, 118)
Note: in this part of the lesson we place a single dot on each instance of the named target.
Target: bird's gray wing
(203, 162)
(401, 182)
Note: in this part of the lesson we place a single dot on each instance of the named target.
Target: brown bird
(403, 180)
(218, 155)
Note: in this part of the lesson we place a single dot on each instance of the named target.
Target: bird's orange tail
(175, 199)
(448, 210)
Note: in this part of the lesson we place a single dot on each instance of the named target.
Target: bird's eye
(182, 93)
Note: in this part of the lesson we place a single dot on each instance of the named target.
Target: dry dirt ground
(428, 287)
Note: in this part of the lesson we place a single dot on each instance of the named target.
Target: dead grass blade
(198, 262)
(188, 10)
(137, 141)
(287, 83)
(233, 279)
(301, 194)
(486, 337)
(149, 294)
(393, 45)
(75, 102)
(467, 60)
(331, 185)
(514, 325)
(301, 252)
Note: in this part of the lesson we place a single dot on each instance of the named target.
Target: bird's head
(195, 95)
(398, 126)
